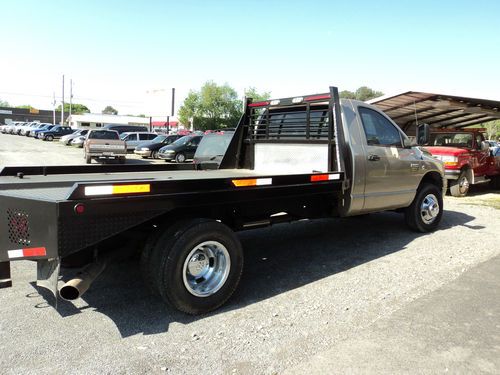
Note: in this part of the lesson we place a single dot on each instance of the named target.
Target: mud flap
(5, 278)
(48, 274)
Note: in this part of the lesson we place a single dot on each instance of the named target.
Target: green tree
(363, 93)
(190, 108)
(3, 103)
(76, 109)
(251, 92)
(25, 106)
(492, 129)
(212, 107)
(346, 94)
(109, 110)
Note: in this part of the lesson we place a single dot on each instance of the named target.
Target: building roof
(109, 119)
(437, 110)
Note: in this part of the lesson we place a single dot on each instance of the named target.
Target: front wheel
(154, 154)
(180, 158)
(426, 210)
(49, 138)
(201, 265)
(460, 187)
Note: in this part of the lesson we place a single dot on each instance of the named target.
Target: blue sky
(118, 52)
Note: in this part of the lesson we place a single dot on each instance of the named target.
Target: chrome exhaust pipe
(76, 287)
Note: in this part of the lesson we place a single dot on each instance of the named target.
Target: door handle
(374, 158)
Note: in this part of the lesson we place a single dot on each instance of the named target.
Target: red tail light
(258, 104)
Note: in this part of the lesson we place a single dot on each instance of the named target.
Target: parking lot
(19, 150)
(311, 291)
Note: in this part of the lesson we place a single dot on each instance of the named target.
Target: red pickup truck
(466, 157)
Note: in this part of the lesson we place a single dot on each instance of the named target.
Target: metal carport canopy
(437, 110)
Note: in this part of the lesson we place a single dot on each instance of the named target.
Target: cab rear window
(103, 134)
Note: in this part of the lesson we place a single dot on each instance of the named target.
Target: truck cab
(466, 157)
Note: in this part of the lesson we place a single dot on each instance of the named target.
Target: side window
(378, 130)
(132, 137)
(479, 139)
(146, 137)
(195, 141)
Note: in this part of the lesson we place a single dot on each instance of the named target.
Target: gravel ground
(306, 287)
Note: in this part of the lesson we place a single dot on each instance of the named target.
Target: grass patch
(494, 202)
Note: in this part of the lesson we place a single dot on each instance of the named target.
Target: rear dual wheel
(195, 265)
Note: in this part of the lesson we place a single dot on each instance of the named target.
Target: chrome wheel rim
(463, 185)
(429, 209)
(180, 158)
(206, 268)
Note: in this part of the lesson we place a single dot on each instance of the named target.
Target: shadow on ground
(278, 259)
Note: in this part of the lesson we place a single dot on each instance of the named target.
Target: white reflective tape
(334, 176)
(99, 190)
(264, 181)
(15, 253)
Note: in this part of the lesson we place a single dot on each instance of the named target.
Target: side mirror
(485, 146)
(423, 134)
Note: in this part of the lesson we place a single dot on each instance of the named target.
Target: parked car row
(177, 148)
(40, 130)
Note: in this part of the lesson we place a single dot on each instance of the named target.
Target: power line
(74, 97)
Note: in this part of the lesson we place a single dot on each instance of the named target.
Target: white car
(78, 141)
(67, 139)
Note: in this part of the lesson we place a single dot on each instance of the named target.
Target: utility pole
(62, 107)
(173, 100)
(53, 108)
(172, 113)
(70, 96)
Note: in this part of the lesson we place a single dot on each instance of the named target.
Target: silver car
(132, 139)
(67, 139)
(78, 141)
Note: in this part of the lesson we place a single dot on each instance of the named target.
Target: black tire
(495, 182)
(460, 187)
(174, 247)
(49, 138)
(425, 220)
(88, 159)
(180, 158)
(150, 260)
(154, 154)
